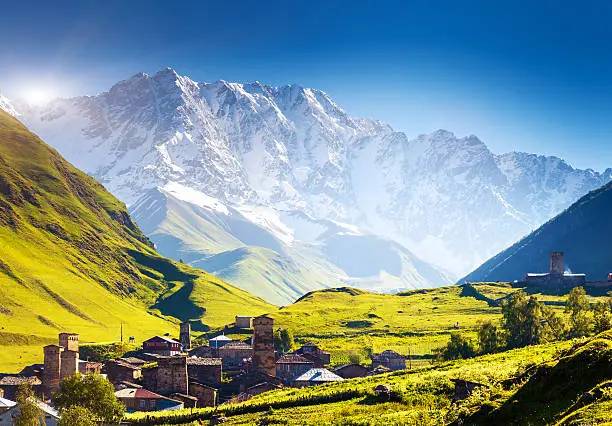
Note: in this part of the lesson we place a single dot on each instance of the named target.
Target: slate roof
(137, 393)
(162, 338)
(235, 345)
(388, 354)
(203, 361)
(17, 380)
(293, 359)
(318, 375)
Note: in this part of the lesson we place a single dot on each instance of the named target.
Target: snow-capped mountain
(280, 152)
(7, 106)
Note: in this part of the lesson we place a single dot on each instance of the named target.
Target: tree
(602, 316)
(489, 338)
(29, 413)
(76, 416)
(459, 347)
(284, 340)
(92, 392)
(527, 322)
(578, 307)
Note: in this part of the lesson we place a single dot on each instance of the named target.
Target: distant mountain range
(583, 232)
(239, 178)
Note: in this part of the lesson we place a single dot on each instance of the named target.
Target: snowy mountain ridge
(293, 150)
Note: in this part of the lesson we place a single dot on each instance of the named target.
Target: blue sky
(522, 75)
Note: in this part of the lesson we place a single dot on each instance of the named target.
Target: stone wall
(69, 363)
(51, 373)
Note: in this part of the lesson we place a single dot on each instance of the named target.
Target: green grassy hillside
(71, 259)
(561, 383)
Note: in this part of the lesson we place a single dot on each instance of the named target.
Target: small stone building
(204, 352)
(119, 371)
(291, 366)
(206, 395)
(351, 371)
(389, 359)
(312, 352)
(244, 321)
(9, 385)
(235, 354)
(205, 370)
(145, 400)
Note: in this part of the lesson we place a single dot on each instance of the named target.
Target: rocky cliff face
(253, 147)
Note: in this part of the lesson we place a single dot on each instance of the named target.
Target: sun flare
(38, 95)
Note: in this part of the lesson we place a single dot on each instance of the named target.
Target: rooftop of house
(162, 339)
(122, 364)
(133, 360)
(221, 338)
(318, 375)
(293, 359)
(342, 367)
(388, 354)
(203, 361)
(139, 393)
(235, 345)
(18, 380)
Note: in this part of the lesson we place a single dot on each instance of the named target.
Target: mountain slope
(72, 259)
(449, 200)
(583, 232)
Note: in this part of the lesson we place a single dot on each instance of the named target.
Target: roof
(203, 361)
(17, 380)
(342, 367)
(123, 364)
(162, 338)
(235, 345)
(137, 393)
(221, 338)
(388, 354)
(293, 359)
(133, 360)
(243, 316)
(318, 375)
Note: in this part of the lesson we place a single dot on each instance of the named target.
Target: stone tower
(263, 345)
(172, 376)
(51, 373)
(557, 263)
(69, 341)
(185, 335)
(69, 364)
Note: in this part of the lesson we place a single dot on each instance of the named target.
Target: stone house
(9, 385)
(261, 388)
(235, 354)
(313, 353)
(206, 395)
(162, 346)
(291, 366)
(351, 371)
(205, 370)
(389, 359)
(90, 367)
(244, 321)
(145, 400)
(118, 371)
(204, 352)
(51, 415)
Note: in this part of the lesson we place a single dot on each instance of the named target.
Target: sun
(38, 95)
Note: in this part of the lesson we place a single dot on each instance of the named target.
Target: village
(172, 374)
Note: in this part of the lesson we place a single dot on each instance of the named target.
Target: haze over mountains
(246, 179)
